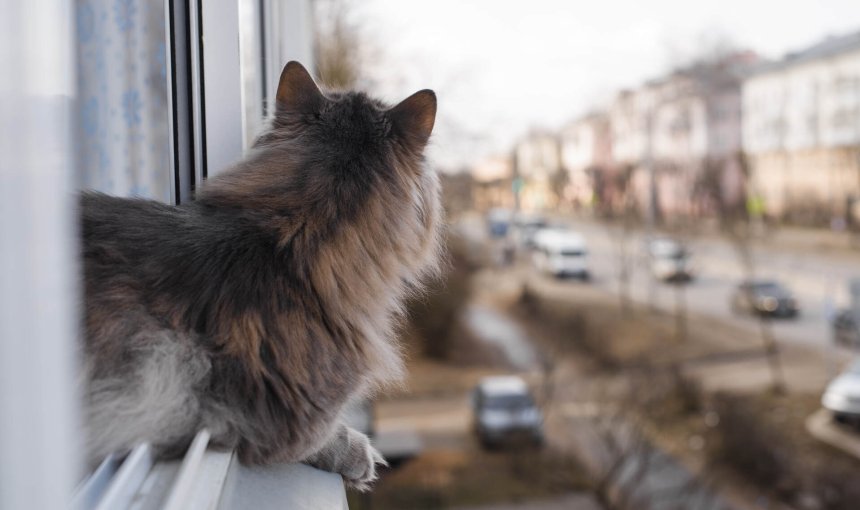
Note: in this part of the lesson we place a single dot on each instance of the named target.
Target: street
(818, 278)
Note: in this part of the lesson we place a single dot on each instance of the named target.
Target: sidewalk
(802, 239)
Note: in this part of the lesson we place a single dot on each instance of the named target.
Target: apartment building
(801, 131)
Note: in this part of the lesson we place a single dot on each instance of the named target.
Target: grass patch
(444, 478)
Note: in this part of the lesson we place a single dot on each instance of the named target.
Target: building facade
(493, 183)
(586, 156)
(801, 131)
(678, 138)
(537, 164)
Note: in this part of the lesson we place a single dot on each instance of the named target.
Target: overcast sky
(500, 67)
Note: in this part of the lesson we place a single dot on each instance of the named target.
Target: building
(679, 138)
(586, 156)
(493, 183)
(537, 162)
(801, 131)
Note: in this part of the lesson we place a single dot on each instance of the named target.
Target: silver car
(505, 411)
(842, 396)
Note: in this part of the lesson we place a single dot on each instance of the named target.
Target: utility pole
(651, 216)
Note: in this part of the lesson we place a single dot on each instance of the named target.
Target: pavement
(822, 426)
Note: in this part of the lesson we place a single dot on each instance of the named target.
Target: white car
(525, 227)
(504, 410)
(842, 396)
(561, 253)
(669, 260)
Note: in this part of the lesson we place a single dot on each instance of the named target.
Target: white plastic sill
(205, 479)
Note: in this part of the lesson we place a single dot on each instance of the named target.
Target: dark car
(846, 331)
(764, 297)
(504, 411)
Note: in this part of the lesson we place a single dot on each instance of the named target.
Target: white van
(561, 253)
(669, 260)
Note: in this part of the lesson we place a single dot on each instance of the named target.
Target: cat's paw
(359, 467)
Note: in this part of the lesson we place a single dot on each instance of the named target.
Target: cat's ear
(414, 117)
(297, 91)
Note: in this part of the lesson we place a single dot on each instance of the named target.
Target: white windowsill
(206, 479)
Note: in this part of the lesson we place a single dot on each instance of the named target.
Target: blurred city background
(654, 234)
(652, 295)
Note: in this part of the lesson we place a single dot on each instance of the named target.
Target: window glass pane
(122, 91)
(251, 35)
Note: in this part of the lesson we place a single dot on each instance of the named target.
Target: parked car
(846, 330)
(669, 260)
(526, 226)
(499, 221)
(842, 396)
(504, 411)
(561, 253)
(764, 297)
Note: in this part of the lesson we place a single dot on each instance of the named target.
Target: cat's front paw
(360, 465)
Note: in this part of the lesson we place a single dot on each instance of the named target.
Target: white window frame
(205, 70)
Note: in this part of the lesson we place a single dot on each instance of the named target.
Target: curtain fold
(122, 98)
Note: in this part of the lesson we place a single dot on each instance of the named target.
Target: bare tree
(683, 230)
(338, 44)
(623, 218)
(739, 229)
(558, 182)
(630, 472)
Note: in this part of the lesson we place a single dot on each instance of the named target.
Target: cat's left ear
(297, 91)
(415, 116)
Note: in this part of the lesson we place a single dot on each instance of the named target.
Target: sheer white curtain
(122, 90)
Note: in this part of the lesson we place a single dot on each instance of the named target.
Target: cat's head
(352, 124)
(345, 159)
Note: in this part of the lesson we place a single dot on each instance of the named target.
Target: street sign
(517, 185)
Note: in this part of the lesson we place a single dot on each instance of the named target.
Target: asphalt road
(817, 279)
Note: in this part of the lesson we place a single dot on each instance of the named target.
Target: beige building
(493, 183)
(537, 161)
(801, 130)
(680, 137)
(586, 157)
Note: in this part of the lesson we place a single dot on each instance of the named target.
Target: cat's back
(133, 240)
(105, 217)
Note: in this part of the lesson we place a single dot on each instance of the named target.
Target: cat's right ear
(414, 117)
(297, 92)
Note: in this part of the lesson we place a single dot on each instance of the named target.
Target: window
(123, 96)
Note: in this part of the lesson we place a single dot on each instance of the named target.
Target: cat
(258, 310)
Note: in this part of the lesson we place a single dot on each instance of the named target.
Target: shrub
(747, 444)
(836, 488)
(435, 316)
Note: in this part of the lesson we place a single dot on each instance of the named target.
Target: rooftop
(828, 47)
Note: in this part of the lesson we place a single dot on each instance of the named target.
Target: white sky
(500, 67)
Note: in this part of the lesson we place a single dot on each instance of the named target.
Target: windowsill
(206, 479)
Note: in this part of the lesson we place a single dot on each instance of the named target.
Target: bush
(435, 316)
(667, 394)
(748, 445)
(444, 478)
(570, 327)
(836, 488)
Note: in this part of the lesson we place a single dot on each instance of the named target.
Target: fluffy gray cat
(261, 308)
